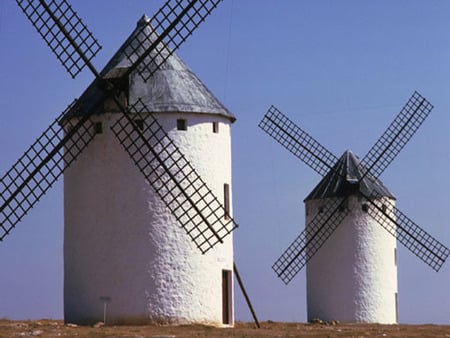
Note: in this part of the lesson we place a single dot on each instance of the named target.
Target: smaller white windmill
(353, 277)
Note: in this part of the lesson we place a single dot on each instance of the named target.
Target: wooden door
(226, 297)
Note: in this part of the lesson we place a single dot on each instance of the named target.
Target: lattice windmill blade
(412, 236)
(310, 240)
(64, 32)
(399, 132)
(408, 233)
(317, 157)
(54, 151)
(173, 23)
(297, 141)
(39, 168)
(180, 187)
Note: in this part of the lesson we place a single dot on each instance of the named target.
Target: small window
(182, 124)
(320, 210)
(226, 200)
(215, 127)
(365, 207)
(139, 124)
(98, 128)
(384, 207)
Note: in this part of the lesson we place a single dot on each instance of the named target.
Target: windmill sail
(297, 141)
(310, 240)
(397, 135)
(64, 32)
(39, 168)
(427, 248)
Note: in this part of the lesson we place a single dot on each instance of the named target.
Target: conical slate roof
(172, 88)
(341, 181)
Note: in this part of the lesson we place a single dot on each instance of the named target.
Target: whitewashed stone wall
(353, 277)
(121, 242)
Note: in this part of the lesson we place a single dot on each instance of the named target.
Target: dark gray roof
(172, 88)
(338, 182)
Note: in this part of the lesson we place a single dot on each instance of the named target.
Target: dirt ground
(54, 328)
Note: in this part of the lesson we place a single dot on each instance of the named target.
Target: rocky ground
(53, 328)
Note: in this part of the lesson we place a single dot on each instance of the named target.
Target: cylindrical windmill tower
(125, 255)
(353, 276)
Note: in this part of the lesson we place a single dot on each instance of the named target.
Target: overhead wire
(227, 55)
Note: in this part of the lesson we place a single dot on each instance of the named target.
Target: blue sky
(341, 70)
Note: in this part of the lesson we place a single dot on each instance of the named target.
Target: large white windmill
(121, 242)
(147, 162)
(350, 216)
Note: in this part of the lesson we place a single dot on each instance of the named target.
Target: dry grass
(53, 328)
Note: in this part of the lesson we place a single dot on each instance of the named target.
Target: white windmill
(135, 233)
(121, 241)
(353, 277)
(351, 260)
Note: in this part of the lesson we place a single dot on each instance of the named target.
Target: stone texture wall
(121, 242)
(353, 277)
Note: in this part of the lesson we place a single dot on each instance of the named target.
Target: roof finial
(143, 20)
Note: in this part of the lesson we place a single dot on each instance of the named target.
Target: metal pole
(105, 301)
(247, 299)
(105, 305)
